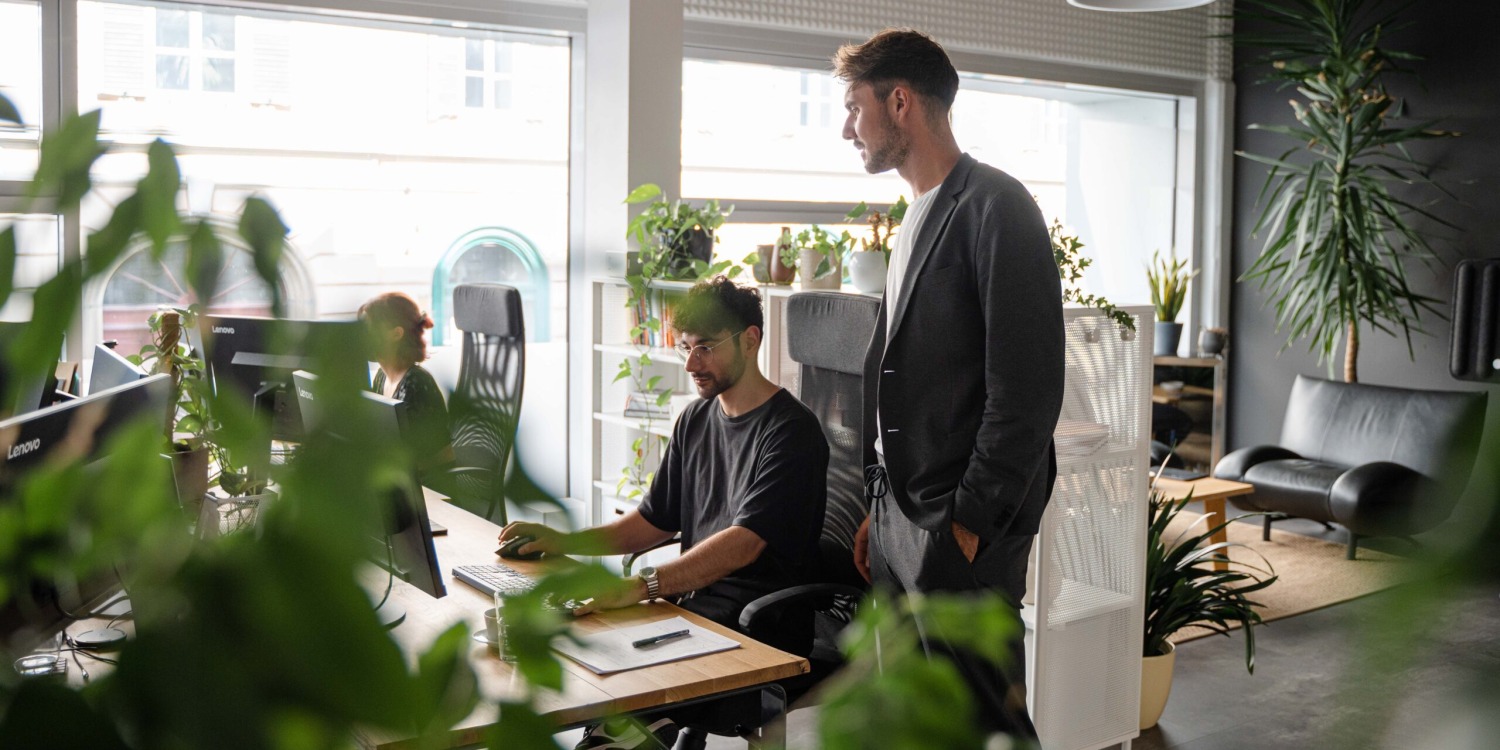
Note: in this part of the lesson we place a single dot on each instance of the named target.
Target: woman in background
(398, 326)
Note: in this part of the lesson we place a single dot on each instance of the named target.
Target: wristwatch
(653, 583)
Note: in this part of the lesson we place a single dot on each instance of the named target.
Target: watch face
(648, 572)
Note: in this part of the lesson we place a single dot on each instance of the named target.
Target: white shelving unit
(613, 433)
(1085, 608)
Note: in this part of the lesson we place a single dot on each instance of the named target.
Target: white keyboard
(493, 577)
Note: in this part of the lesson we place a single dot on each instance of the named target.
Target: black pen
(655, 639)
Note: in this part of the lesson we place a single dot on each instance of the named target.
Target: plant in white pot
(820, 257)
(1184, 589)
(1169, 285)
(867, 267)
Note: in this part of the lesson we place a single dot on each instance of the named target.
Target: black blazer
(970, 384)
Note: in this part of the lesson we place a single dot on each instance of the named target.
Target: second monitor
(255, 357)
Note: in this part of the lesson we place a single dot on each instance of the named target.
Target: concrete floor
(1322, 680)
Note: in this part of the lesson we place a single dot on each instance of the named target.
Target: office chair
(485, 406)
(827, 334)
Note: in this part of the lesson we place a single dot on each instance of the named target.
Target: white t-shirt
(911, 226)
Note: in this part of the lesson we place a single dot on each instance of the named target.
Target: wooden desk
(1213, 493)
(585, 696)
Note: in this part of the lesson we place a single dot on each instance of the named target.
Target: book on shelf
(640, 404)
(656, 304)
(647, 404)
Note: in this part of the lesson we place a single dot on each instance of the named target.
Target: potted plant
(1183, 589)
(867, 268)
(188, 428)
(1169, 284)
(1339, 219)
(820, 257)
(782, 265)
(241, 496)
(674, 233)
(1067, 252)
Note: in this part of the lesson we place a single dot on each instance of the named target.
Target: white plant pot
(867, 271)
(1156, 685)
(807, 265)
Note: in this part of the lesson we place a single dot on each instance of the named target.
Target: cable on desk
(390, 573)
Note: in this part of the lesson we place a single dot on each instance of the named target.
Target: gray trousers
(907, 558)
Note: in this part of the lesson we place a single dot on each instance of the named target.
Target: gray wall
(1458, 83)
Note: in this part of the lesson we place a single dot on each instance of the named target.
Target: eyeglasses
(704, 352)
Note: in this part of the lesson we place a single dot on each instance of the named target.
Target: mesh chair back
(827, 335)
(486, 404)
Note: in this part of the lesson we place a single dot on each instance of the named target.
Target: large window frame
(1202, 235)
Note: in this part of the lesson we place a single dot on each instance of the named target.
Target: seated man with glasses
(743, 479)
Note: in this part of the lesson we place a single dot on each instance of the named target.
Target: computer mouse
(508, 548)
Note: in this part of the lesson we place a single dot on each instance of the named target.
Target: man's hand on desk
(545, 539)
(633, 592)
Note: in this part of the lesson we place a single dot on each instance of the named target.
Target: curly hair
(392, 309)
(900, 56)
(718, 305)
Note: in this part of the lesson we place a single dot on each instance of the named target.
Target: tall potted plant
(188, 428)
(1337, 238)
(1169, 284)
(1183, 589)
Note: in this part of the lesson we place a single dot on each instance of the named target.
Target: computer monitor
(245, 356)
(82, 428)
(35, 391)
(408, 528)
(111, 369)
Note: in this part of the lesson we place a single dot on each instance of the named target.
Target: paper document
(611, 651)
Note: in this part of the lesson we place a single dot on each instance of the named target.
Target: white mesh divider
(1088, 694)
(614, 317)
(1086, 650)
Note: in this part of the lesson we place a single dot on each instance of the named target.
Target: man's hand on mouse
(544, 539)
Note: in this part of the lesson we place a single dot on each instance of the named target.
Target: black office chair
(485, 406)
(827, 334)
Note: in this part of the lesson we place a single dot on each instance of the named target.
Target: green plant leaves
(263, 229)
(643, 193)
(63, 169)
(891, 694)
(1337, 240)
(157, 192)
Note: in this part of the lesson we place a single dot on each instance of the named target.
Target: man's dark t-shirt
(765, 470)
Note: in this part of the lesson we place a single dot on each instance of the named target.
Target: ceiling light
(1136, 6)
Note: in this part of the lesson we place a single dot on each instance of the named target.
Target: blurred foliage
(890, 694)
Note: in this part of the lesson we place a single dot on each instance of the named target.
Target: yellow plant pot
(1156, 685)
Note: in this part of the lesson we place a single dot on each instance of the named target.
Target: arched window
(119, 302)
(493, 254)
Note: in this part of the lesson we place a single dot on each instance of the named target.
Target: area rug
(1313, 573)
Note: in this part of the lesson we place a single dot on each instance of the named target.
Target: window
(487, 74)
(38, 246)
(195, 51)
(816, 106)
(1116, 167)
(359, 132)
(21, 82)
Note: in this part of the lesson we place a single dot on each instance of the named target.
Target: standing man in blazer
(964, 374)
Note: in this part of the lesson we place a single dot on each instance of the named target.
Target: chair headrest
(491, 309)
(831, 330)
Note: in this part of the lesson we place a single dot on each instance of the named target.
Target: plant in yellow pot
(1183, 589)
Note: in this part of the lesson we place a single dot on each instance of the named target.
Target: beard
(710, 384)
(890, 153)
